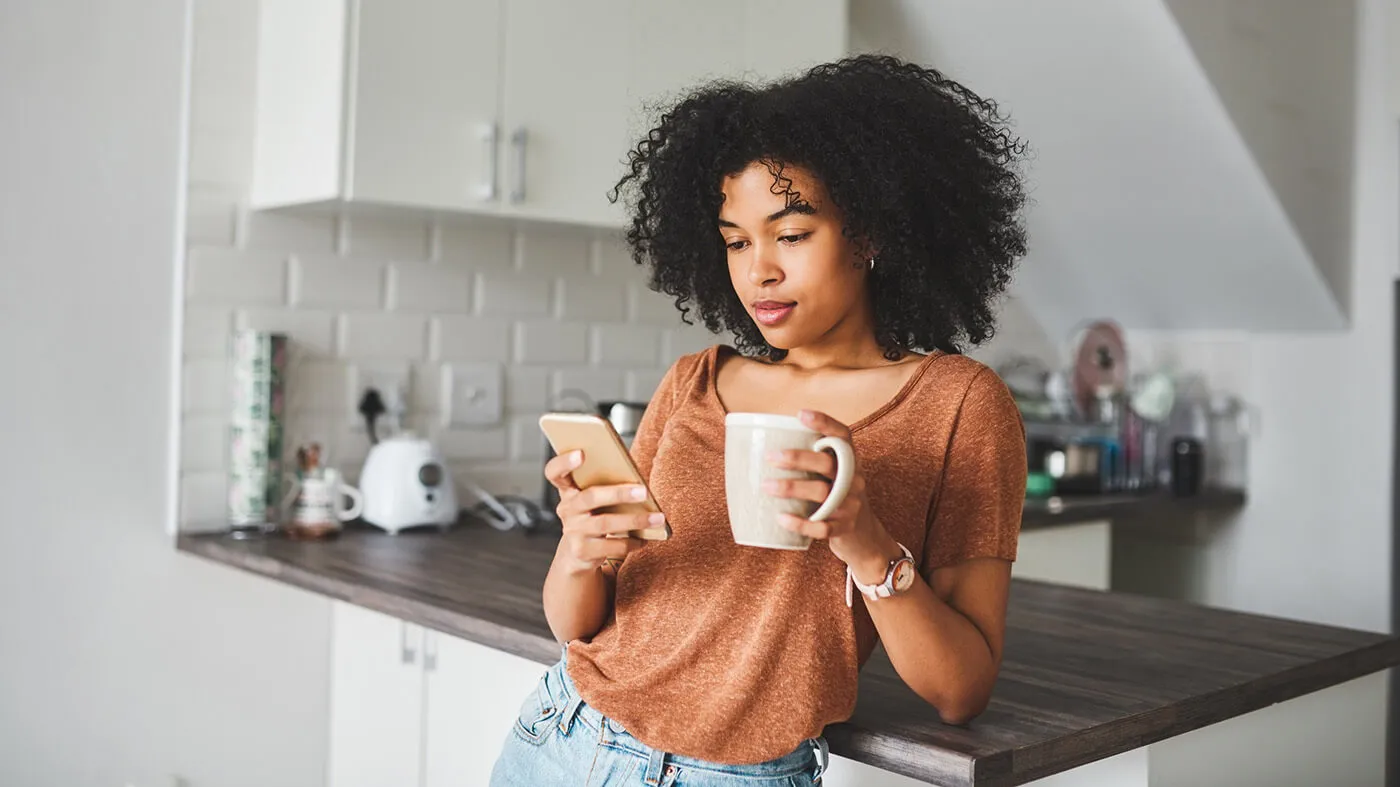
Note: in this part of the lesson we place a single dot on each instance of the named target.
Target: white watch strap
(871, 590)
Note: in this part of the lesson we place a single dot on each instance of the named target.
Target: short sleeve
(658, 412)
(977, 512)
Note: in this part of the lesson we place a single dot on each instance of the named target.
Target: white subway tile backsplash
(653, 308)
(478, 245)
(203, 444)
(624, 345)
(203, 501)
(551, 343)
(310, 332)
(500, 478)
(206, 387)
(426, 389)
(642, 384)
(383, 336)
(591, 299)
(430, 287)
(472, 339)
(236, 278)
(336, 282)
(289, 232)
(613, 259)
(478, 444)
(206, 331)
(528, 389)
(394, 239)
(526, 439)
(684, 341)
(549, 251)
(501, 294)
(599, 384)
(319, 386)
(210, 218)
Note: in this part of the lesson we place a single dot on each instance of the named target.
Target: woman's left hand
(853, 532)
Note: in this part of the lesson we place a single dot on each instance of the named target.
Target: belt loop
(570, 712)
(823, 759)
(655, 765)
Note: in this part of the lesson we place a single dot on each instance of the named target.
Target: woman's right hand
(593, 539)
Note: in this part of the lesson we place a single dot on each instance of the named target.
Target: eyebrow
(802, 208)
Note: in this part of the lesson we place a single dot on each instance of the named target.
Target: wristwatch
(899, 577)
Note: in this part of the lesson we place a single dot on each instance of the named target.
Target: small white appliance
(405, 484)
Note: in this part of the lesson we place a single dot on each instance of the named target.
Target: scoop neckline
(712, 362)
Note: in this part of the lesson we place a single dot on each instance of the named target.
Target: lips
(772, 312)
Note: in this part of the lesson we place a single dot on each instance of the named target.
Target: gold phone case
(606, 461)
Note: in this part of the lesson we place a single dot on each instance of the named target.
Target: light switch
(473, 391)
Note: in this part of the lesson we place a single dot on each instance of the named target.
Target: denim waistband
(810, 757)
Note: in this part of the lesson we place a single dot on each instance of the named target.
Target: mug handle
(845, 471)
(357, 503)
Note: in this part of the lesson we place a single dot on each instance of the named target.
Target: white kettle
(405, 484)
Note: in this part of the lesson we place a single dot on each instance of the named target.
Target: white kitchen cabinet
(377, 101)
(376, 712)
(473, 697)
(416, 708)
(518, 108)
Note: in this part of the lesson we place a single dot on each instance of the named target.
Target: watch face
(903, 575)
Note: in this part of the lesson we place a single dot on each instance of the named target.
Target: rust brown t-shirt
(737, 654)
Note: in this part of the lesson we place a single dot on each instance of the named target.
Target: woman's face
(799, 277)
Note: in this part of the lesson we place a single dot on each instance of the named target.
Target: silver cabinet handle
(489, 137)
(408, 654)
(429, 651)
(518, 140)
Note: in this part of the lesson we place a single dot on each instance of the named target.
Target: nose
(763, 267)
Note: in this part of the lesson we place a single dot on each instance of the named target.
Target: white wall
(124, 662)
(555, 308)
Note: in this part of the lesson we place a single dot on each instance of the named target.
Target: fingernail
(575, 459)
(657, 520)
(775, 456)
(639, 493)
(806, 415)
(770, 486)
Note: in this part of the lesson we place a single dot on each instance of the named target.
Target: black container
(1188, 466)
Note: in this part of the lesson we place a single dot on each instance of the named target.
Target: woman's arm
(944, 635)
(579, 590)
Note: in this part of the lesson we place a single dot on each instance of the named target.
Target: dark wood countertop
(1086, 674)
(1125, 507)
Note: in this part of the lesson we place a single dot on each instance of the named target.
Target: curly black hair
(922, 169)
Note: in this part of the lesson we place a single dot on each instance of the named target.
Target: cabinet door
(376, 699)
(564, 101)
(474, 695)
(423, 107)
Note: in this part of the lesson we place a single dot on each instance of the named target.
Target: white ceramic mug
(753, 513)
(320, 499)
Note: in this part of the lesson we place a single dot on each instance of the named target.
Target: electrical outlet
(391, 380)
(473, 391)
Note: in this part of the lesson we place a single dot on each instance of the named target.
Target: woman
(835, 224)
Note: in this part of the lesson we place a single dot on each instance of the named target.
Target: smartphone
(606, 461)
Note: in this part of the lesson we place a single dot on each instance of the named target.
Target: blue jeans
(558, 740)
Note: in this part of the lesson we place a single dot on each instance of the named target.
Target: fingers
(824, 424)
(557, 470)
(596, 497)
(820, 530)
(819, 462)
(815, 490)
(600, 549)
(605, 525)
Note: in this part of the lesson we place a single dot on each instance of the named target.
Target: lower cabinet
(411, 707)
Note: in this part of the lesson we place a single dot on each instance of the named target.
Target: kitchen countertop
(1125, 507)
(1085, 675)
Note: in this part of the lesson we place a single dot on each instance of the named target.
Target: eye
(792, 239)
(737, 245)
